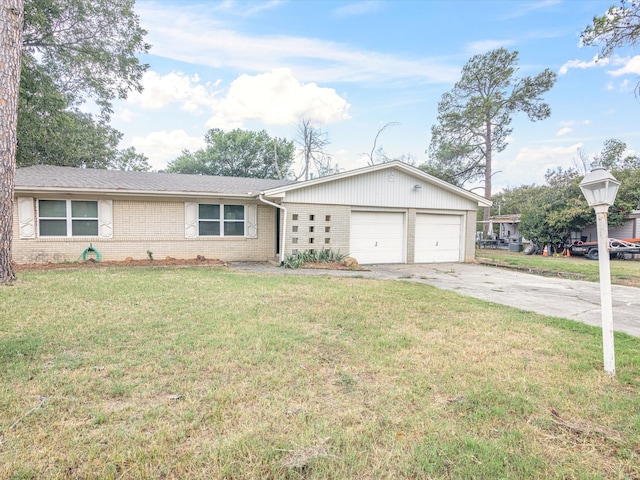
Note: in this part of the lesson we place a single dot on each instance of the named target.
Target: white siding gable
(382, 188)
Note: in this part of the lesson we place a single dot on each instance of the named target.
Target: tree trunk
(487, 178)
(11, 16)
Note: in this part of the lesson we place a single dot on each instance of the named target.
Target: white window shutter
(190, 220)
(105, 218)
(251, 213)
(26, 217)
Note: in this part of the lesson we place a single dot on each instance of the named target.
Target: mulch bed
(171, 262)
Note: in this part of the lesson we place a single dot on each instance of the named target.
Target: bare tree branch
(375, 140)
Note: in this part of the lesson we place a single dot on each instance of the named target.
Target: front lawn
(201, 373)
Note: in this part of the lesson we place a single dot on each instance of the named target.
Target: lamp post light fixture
(600, 189)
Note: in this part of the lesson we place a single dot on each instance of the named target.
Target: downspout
(284, 225)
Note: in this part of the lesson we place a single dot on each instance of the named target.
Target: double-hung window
(67, 218)
(221, 220)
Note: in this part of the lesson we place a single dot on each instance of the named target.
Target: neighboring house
(630, 229)
(387, 213)
(508, 227)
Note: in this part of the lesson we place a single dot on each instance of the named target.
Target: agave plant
(299, 259)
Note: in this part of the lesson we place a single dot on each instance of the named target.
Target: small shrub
(149, 255)
(312, 256)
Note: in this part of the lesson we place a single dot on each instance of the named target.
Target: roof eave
(123, 193)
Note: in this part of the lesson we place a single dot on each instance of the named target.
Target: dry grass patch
(198, 373)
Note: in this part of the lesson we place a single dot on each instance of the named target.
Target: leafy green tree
(52, 132)
(474, 118)
(512, 201)
(88, 47)
(75, 50)
(238, 153)
(130, 160)
(551, 212)
(448, 172)
(555, 210)
(625, 167)
(619, 26)
(558, 209)
(611, 157)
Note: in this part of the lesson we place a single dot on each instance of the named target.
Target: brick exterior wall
(301, 218)
(159, 227)
(299, 222)
(470, 242)
(411, 235)
(156, 226)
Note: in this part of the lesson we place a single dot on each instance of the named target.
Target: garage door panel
(438, 238)
(377, 237)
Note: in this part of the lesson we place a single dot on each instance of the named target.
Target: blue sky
(354, 66)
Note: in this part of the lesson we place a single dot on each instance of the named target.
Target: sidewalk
(573, 299)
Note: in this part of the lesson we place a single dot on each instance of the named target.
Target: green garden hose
(89, 249)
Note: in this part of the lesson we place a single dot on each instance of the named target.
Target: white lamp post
(600, 188)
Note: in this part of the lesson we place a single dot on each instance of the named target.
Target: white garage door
(377, 237)
(438, 238)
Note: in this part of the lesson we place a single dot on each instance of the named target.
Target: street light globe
(599, 187)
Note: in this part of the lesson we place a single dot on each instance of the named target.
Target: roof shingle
(69, 178)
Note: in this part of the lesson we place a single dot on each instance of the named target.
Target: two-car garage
(382, 237)
(385, 213)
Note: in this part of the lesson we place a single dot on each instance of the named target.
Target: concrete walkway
(573, 299)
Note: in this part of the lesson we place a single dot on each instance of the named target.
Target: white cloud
(359, 8)
(162, 147)
(530, 164)
(277, 98)
(566, 127)
(524, 8)
(247, 9)
(175, 87)
(594, 62)
(631, 66)
(196, 35)
(125, 115)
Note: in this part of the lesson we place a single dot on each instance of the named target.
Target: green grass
(204, 373)
(623, 272)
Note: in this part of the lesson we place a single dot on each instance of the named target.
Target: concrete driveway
(573, 299)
